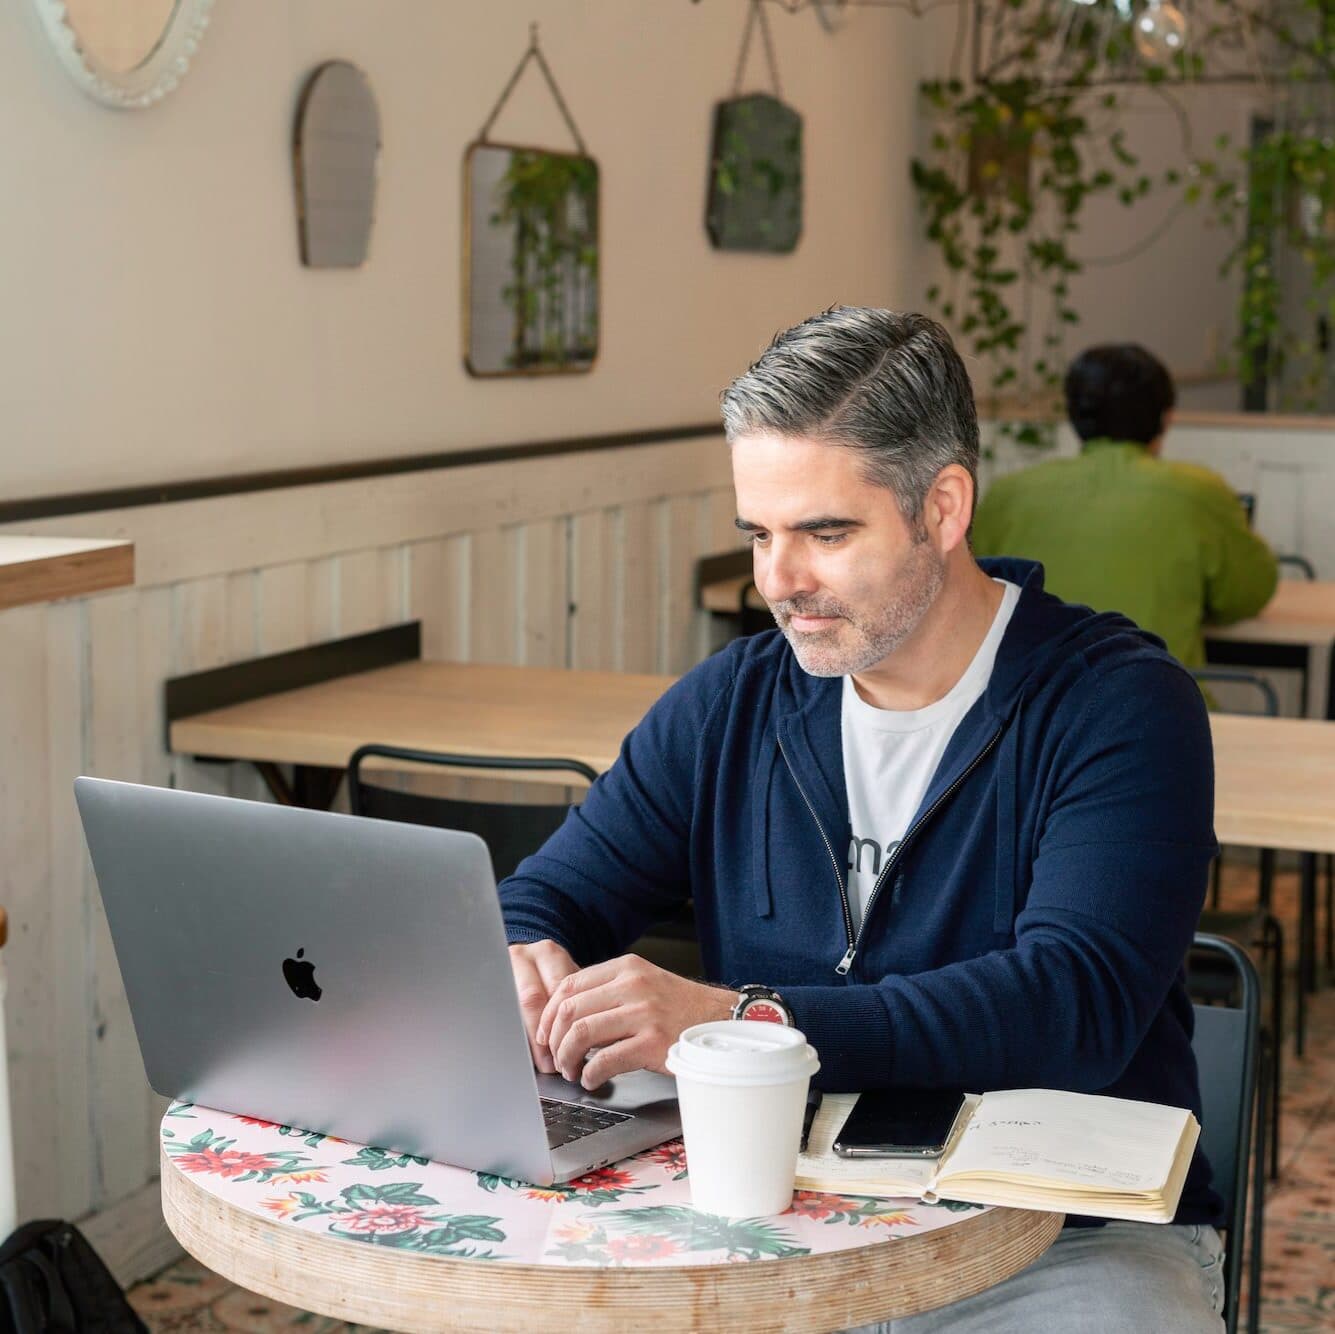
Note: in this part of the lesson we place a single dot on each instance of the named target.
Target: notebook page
(1080, 1139)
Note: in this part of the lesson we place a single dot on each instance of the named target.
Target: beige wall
(157, 323)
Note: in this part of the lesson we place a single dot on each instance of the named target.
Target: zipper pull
(846, 962)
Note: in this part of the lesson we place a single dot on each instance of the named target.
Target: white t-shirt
(890, 756)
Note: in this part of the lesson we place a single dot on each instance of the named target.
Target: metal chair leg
(1266, 881)
(1277, 1083)
(1256, 1222)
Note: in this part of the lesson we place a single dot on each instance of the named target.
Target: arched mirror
(125, 53)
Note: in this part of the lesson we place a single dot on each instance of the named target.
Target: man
(960, 830)
(1119, 528)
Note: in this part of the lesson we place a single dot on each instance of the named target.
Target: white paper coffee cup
(742, 1087)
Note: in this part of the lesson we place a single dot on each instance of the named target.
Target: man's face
(839, 566)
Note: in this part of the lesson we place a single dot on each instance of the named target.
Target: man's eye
(829, 539)
(759, 539)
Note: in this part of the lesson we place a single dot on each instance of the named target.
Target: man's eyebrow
(816, 525)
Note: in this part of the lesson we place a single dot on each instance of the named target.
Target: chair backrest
(1300, 563)
(1269, 700)
(1225, 1044)
(510, 830)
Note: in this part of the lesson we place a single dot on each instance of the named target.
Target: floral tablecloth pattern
(636, 1212)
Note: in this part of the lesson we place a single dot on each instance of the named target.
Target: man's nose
(784, 574)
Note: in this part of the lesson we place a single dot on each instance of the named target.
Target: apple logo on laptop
(299, 974)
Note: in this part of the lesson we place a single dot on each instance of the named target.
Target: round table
(393, 1240)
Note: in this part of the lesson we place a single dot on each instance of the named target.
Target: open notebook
(1072, 1153)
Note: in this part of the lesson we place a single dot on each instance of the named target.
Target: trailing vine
(1015, 158)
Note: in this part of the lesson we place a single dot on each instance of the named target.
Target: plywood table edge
(194, 736)
(836, 1290)
(97, 567)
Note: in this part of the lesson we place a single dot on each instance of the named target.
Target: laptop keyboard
(569, 1121)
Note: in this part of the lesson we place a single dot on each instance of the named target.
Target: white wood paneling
(65, 1188)
(24, 849)
(197, 538)
(120, 1093)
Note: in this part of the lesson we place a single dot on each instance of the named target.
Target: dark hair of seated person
(1118, 391)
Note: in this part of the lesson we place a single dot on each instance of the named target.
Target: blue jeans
(1122, 1278)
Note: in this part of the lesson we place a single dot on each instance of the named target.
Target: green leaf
(397, 1192)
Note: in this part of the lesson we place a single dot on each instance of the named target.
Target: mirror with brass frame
(530, 261)
(125, 53)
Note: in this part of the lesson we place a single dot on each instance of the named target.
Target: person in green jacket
(1120, 529)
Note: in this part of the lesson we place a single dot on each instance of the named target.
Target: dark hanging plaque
(755, 177)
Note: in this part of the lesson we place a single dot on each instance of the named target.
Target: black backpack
(53, 1282)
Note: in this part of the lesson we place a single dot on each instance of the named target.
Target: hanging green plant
(1002, 198)
(1016, 157)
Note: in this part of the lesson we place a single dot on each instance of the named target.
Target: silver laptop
(342, 975)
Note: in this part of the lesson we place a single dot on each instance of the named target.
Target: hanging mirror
(755, 168)
(530, 252)
(125, 53)
(335, 151)
(532, 260)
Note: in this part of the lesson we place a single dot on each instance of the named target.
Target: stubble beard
(859, 641)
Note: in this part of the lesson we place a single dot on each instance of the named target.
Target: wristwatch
(763, 1003)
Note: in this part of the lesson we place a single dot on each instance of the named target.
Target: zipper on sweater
(846, 962)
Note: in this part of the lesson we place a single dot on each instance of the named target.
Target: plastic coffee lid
(741, 1051)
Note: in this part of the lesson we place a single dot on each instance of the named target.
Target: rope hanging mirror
(531, 247)
(755, 165)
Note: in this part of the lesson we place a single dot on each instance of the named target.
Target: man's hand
(630, 1009)
(538, 968)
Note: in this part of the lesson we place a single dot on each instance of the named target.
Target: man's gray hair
(887, 385)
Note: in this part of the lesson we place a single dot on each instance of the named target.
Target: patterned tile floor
(1298, 1282)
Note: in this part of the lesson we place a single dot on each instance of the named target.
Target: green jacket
(1165, 543)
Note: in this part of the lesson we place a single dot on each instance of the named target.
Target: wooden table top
(290, 1215)
(1301, 612)
(469, 708)
(42, 569)
(1274, 782)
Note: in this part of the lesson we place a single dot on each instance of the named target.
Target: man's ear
(948, 509)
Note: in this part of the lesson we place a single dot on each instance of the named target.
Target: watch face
(763, 1011)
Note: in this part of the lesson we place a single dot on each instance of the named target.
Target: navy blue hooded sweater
(1031, 928)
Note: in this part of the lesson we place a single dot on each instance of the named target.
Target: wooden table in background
(1275, 788)
(467, 708)
(391, 1241)
(43, 569)
(1296, 629)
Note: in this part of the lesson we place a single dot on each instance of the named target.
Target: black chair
(1269, 706)
(1228, 1056)
(511, 830)
(1300, 563)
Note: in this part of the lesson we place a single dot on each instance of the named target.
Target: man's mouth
(806, 623)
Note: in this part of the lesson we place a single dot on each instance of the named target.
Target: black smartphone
(900, 1123)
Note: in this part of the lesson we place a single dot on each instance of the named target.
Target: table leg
(312, 785)
(315, 786)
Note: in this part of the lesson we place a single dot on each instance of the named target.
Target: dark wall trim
(168, 493)
(240, 681)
